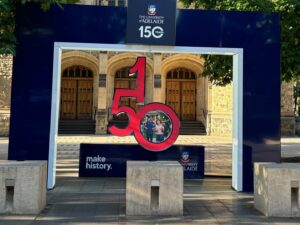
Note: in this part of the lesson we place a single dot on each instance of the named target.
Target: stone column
(209, 107)
(158, 89)
(5, 92)
(101, 116)
(287, 109)
(201, 94)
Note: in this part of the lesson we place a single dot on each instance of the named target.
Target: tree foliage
(7, 20)
(217, 68)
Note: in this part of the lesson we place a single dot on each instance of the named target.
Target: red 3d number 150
(155, 126)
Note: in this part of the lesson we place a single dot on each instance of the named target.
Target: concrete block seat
(154, 188)
(276, 189)
(23, 186)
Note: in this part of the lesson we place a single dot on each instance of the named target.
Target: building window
(124, 73)
(181, 73)
(77, 71)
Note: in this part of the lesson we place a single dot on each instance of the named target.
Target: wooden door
(76, 93)
(181, 96)
(173, 95)
(68, 99)
(188, 100)
(76, 99)
(85, 99)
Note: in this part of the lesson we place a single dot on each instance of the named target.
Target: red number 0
(133, 126)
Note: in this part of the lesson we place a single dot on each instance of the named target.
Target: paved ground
(88, 201)
(290, 147)
(3, 148)
(217, 149)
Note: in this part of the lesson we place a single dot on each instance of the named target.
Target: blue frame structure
(258, 34)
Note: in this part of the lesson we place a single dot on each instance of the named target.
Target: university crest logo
(185, 157)
(151, 10)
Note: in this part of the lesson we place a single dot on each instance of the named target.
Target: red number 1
(139, 93)
(134, 122)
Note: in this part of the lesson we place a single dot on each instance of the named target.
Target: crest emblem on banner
(185, 157)
(151, 10)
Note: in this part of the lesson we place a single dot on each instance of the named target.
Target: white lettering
(190, 167)
(98, 163)
(148, 31)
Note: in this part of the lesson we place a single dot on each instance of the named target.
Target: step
(192, 133)
(76, 121)
(192, 128)
(76, 127)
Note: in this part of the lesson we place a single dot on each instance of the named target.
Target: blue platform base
(109, 160)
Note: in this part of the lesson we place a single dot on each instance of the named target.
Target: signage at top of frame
(151, 22)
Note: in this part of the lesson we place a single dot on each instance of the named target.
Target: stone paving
(88, 201)
(3, 148)
(217, 149)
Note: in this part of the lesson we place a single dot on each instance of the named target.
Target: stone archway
(85, 68)
(72, 58)
(193, 65)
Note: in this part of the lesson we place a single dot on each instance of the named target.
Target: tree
(7, 21)
(290, 36)
(7, 37)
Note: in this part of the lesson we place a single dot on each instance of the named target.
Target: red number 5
(134, 123)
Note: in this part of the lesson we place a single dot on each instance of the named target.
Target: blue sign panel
(258, 34)
(151, 22)
(109, 160)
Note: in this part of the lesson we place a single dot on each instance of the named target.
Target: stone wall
(220, 114)
(87, 2)
(287, 109)
(220, 111)
(103, 2)
(5, 92)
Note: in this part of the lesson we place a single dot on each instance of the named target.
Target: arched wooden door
(181, 93)
(123, 80)
(76, 94)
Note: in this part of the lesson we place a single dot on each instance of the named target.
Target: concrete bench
(23, 186)
(276, 189)
(154, 188)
